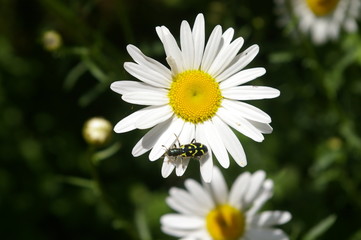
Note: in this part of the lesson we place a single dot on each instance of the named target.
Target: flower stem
(107, 200)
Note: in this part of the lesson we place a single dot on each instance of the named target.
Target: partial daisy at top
(199, 97)
(213, 212)
(322, 20)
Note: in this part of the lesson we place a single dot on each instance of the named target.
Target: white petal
(182, 197)
(198, 207)
(319, 33)
(206, 161)
(247, 111)
(198, 39)
(240, 124)
(212, 48)
(150, 138)
(201, 233)
(147, 75)
(176, 232)
(250, 93)
(171, 47)
(181, 165)
(161, 114)
(239, 62)
(166, 139)
(186, 42)
(350, 25)
(262, 127)
(206, 165)
(188, 133)
(178, 206)
(333, 31)
(266, 234)
(271, 218)
(225, 56)
(240, 78)
(182, 221)
(227, 37)
(148, 62)
(305, 23)
(167, 167)
(128, 123)
(219, 187)
(173, 65)
(215, 143)
(261, 197)
(239, 189)
(143, 97)
(255, 186)
(231, 142)
(215, 47)
(186, 234)
(200, 194)
(123, 87)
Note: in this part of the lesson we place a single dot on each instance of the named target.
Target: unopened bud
(52, 40)
(97, 131)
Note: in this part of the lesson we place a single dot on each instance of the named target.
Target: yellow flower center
(225, 223)
(322, 7)
(194, 96)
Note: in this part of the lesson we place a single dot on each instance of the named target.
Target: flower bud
(97, 131)
(52, 40)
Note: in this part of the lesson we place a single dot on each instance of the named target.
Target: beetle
(191, 150)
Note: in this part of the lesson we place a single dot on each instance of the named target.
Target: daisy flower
(212, 211)
(198, 97)
(324, 19)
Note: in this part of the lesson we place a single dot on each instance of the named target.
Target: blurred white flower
(198, 97)
(212, 211)
(323, 20)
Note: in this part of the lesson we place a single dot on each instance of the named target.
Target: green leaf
(95, 70)
(79, 182)
(92, 94)
(142, 224)
(315, 232)
(74, 75)
(106, 153)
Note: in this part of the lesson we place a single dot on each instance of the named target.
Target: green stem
(106, 198)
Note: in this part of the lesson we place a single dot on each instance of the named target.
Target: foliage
(54, 186)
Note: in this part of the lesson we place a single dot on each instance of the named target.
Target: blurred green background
(47, 169)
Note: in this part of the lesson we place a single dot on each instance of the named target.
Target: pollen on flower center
(194, 96)
(225, 223)
(322, 7)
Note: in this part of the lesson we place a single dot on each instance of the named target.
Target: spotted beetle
(191, 150)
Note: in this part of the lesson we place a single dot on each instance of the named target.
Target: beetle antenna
(177, 139)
